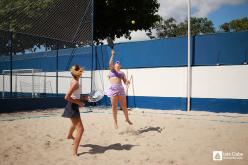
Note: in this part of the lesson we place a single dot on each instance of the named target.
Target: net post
(57, 66)
(92, 46)
(3, 87)
(44, 84)
(246, 52)
(16, 85)
(10, 46)
(32, 83)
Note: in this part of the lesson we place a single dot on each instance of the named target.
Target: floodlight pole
(189, 60)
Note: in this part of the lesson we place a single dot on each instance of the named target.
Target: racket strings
(95, 96)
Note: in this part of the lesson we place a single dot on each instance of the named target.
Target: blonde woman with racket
(116, 91)
(72, 107)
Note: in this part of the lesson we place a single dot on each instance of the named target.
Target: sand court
(156, 137)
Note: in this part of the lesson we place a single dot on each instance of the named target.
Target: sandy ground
(157, 137)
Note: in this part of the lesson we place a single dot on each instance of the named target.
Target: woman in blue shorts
(72, 107)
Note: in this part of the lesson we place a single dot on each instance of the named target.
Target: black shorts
(71, 110)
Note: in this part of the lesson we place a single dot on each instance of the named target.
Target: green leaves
(113, 18)
(236, 25)
(53, 18)
(170, 28)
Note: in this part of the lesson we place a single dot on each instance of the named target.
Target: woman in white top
(72, 107)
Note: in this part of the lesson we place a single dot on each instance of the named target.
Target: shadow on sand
(97, 149)
(149, 129)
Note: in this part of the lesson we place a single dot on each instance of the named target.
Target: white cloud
(136, 36)
(178, 9)
(205, 7)
(173, 8)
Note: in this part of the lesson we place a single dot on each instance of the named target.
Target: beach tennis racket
(110, 42)
(95, 96)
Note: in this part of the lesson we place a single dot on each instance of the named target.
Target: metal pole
(3, 87)
(15, 84)
(32, 83)
(92, 47)
(57, 67)
(92, 56)
(44, 85)
(189, 60)
(127, 89)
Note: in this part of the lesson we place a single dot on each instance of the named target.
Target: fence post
(10, 46)
(3, 88)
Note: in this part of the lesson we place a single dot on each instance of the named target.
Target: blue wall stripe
(198, 104)
(222, 48)
(207, 50)
(26, 104)
(47, 60)
(161, 103)
(220, 105)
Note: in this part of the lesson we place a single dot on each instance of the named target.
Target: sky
(218, 11)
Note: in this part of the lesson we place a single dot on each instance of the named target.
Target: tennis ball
(133, 21)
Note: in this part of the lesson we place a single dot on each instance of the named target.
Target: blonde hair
(76, 70)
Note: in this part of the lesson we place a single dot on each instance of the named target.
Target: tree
(167, 28)
(225, 27)
(112, 18)
(12, 13)
(236, 25)
(170, 28)
(200, 26)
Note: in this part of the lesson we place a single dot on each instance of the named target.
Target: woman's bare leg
(123, 103)
(71, 130)
(114, 102)
(80, 130)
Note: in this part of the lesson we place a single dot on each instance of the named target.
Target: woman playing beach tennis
(116, 91)
(72, 107)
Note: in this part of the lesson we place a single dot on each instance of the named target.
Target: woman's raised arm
(111, 63)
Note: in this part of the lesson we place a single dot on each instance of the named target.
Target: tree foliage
(112, 18)
(12, 13)
(170, 28)
(235, 25)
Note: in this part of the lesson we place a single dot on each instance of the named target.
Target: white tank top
(76, 94)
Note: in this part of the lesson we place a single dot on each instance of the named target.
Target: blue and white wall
(214, 88)
(158, 68)
(46, 62)
(219, 72)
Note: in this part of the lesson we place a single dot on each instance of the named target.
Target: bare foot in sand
(116, 126)
(75, 155)
(129, 122)
(71, 137)
(74, 152)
